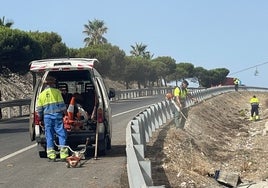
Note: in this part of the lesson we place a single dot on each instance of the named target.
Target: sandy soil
(218, 135)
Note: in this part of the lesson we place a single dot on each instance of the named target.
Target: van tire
(42, 154)
(41, 151)
(109, 145)
(104, 145)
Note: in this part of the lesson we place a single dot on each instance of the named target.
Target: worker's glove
(65, 119)
(41, 123)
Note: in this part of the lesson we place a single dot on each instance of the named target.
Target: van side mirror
(111, 93)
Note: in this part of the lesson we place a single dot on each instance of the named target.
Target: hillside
(16, 86)
(218, 136)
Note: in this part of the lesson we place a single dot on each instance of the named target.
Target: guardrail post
(20, 110)
(151, 115)
(140, 123)
(148, 129)
(153, 118)
(162, 117)
(158, 114)
(9, 112)
(147, 171)
(170, 109)
(136, 136)
(166, 111)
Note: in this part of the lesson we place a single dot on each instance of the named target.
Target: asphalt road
(20, 165)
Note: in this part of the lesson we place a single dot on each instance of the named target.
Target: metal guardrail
(141, 127)
(138, 132)
(14, 108)
(14, 105)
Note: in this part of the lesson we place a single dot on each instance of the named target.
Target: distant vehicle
(78, 78)
(228, 81)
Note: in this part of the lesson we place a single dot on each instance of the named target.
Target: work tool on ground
(75, 159)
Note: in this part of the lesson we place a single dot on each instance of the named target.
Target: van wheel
(109, 145)
(42, 154)
(103, 146)
(42, 151)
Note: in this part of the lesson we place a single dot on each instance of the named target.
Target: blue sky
(230, 34)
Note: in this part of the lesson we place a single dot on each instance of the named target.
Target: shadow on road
(15, 120)
(117, 151)
(14, 130)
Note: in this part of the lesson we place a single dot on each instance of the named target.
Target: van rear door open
(62, 64)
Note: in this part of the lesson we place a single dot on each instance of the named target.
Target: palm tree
(139, 50)
(94, 31)
(6, 24)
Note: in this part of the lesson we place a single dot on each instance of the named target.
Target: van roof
(62, 64)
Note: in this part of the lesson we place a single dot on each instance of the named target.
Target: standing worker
(180, 95)
(254, 102)
(236, 83)
(50, 109)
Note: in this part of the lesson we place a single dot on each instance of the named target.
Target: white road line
(129, 111)
(34, 145)
(17, 152)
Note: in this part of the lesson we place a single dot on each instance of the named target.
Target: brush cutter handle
(178, 108)
(66, 146)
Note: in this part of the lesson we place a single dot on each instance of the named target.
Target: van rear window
(63, 76)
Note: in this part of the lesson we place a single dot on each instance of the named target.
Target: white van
(92, 118)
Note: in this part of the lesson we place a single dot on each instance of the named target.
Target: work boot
(251, 118)
(257, 117)
(64, 153)
(51, 155)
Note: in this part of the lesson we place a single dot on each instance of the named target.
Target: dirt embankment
(218, 135)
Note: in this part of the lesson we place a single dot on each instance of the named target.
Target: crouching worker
(254, 102)
(50, 109)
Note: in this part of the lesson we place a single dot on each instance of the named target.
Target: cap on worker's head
(254, 96)
(185, 82)
(50, 80)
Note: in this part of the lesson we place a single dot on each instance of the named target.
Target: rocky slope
(218, 136)
(14, 86)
